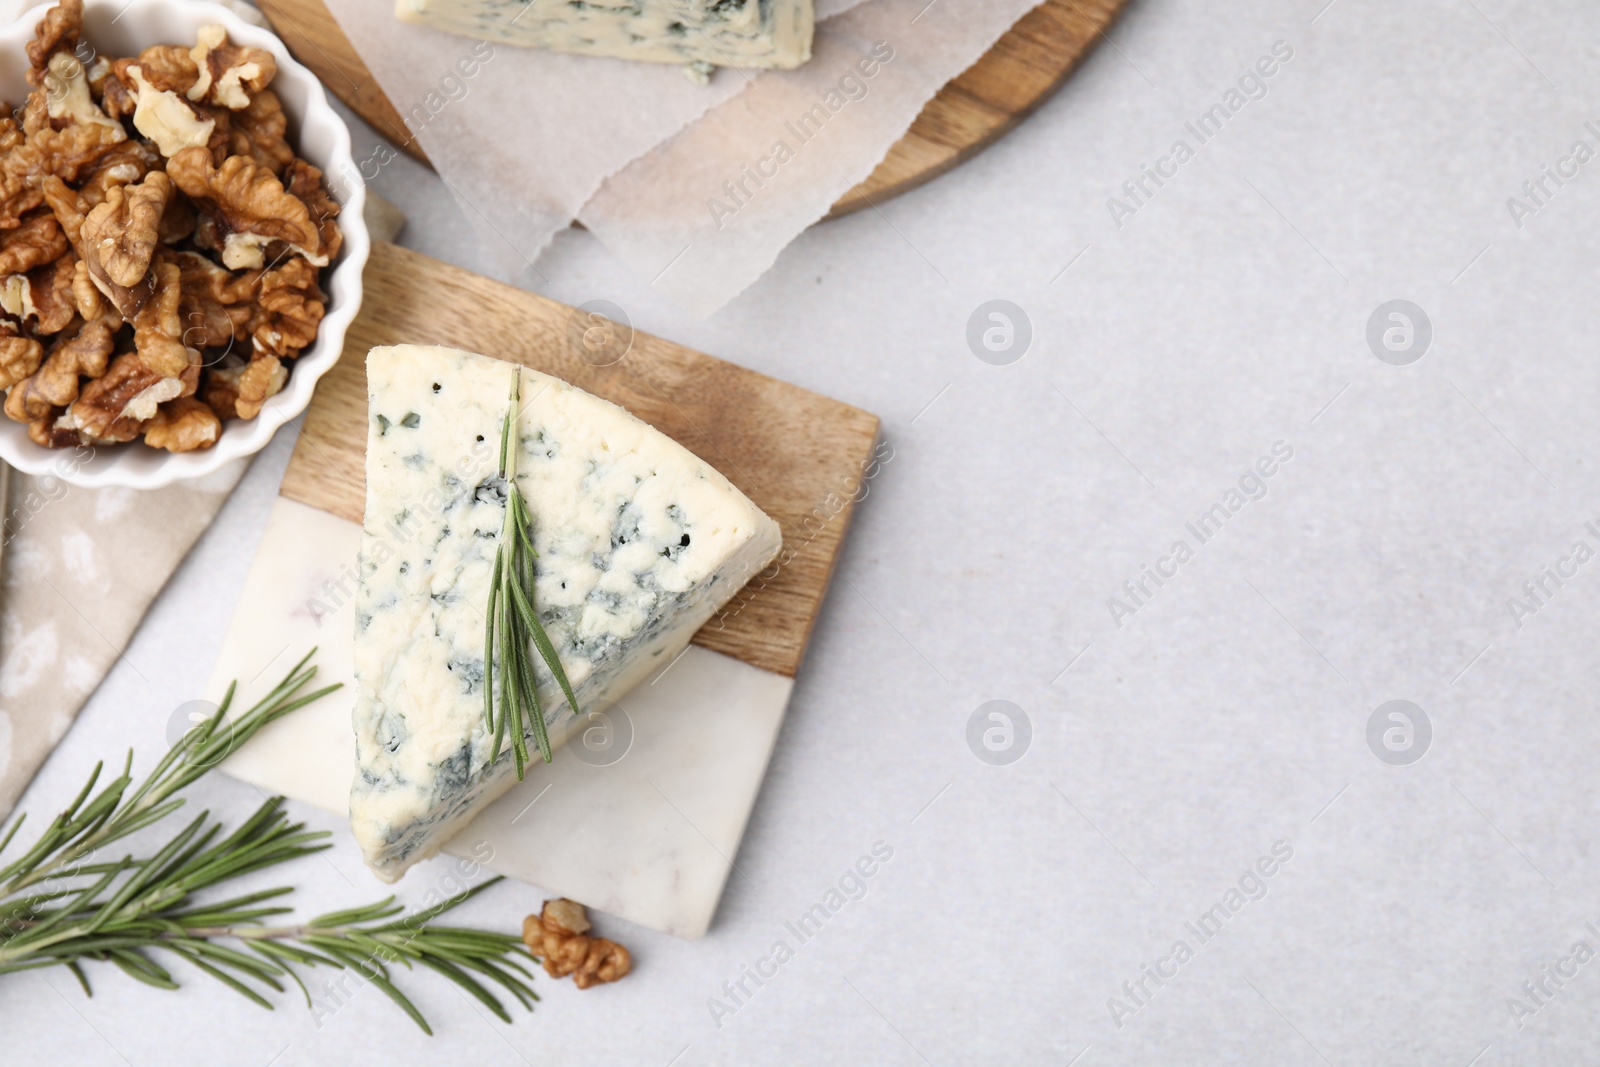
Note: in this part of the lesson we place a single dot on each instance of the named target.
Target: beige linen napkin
(81, 568)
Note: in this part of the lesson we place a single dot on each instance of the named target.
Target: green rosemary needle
(62, 905)
(511, 622)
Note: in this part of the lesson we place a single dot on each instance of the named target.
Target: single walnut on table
(161, 245)
(558, 936)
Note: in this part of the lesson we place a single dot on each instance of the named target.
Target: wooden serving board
(801, 457)
(974, 110)
(640, 812)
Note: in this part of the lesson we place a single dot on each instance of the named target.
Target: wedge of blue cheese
(639, 543)
(722, 33)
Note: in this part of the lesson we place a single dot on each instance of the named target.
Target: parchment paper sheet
(526, 139)
(529, 137)
(708, 212)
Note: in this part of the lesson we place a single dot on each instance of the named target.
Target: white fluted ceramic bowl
(116, 28)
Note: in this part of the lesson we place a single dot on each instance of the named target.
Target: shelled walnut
(161, 245)
(559, 936)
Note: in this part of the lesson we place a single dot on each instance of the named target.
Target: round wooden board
(1013, 78)
(983, 104)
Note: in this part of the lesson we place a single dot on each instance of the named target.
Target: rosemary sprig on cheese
(67, 901)
(511, 623)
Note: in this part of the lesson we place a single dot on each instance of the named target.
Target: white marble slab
(639, 816)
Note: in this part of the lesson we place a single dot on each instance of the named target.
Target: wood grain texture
(309, 30)
(800, 456)
(1021, 71)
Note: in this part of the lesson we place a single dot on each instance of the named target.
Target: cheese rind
(639, 542)
(724, 33)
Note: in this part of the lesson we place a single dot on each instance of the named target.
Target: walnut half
(114, 407)
(158, 328)
(229, 74)
(121, 234)
(72, 213)
(249, 206)
(558, 936)
(38, 240)
(67, 95)
(165, 117)
(182, 425)
(239, 390)
(19, 356)
(57, 32)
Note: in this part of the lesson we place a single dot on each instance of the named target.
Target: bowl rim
(239, 438)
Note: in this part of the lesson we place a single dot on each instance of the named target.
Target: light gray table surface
(1171, 747)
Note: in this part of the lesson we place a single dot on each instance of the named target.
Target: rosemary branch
(511, 622)
(61, 906)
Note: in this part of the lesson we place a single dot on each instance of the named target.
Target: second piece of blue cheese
(639, 543)
(722, 33)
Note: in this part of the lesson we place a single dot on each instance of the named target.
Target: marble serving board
(638, 816)
(641, 814)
